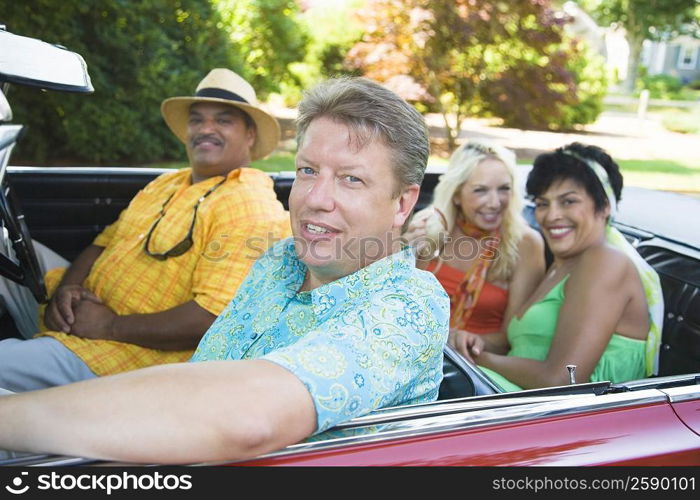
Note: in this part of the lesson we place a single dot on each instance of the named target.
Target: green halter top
(531, 336)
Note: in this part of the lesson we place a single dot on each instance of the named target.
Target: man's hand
(60, 313)
(93, 320)
(469, 345)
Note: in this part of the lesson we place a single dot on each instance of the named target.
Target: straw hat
(224, 86)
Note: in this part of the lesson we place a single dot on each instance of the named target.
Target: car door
(685, 401)
(636, 427)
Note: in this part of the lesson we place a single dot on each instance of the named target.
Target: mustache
(206, 137)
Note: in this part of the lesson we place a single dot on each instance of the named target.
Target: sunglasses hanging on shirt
(186, 243)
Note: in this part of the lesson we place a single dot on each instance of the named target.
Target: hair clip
(481, 148)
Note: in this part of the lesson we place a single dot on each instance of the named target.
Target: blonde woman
(474, 239)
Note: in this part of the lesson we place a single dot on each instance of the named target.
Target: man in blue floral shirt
(329, 325)
(367, 340)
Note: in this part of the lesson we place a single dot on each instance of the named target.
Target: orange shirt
(235, 224)
(488, 313)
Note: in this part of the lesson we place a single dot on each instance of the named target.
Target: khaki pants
(18, 301)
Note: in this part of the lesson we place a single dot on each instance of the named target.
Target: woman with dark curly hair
(599, 306)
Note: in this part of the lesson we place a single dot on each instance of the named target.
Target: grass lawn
(664, 175)
(275, 163)
(279, 162)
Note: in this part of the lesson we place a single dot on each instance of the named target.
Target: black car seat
(461, 378)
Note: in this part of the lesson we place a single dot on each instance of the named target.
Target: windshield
(27, 61)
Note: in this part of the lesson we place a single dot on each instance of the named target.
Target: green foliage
(683, 122)
(476, 57)
(591, 78)
(653, 20)
(644, 19)
(278, 162)
(335, 29)
(332, 59)
(332, 31)
(137, 54)
(660, 86)
(269, 37)
(567, 90)
(666, 87)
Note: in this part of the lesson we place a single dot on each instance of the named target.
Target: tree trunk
(635, 43)
(450, 131)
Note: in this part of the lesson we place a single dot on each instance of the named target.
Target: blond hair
(440, 222)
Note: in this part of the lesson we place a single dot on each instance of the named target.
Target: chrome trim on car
(690, 379)
(31, 460)
(679, 394)
(499, 399)
(482, 384)
(666, 243)
(62, 462)
(446, 408)
(147, 171)
(496, 414)
(84, 170)
(286, 174)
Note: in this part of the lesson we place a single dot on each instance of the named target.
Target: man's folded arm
(179, 328)
(216, 280)
(59, 312)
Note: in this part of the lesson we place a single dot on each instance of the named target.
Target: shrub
(137, 53)
(682, 122)
(660, 86)
(565, 91)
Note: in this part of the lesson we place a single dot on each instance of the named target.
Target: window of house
(687, 57)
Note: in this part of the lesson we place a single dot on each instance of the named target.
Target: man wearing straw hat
(152, 283)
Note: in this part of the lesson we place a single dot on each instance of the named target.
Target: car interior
(66, 208)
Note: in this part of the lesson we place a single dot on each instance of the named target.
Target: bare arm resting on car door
(178, 413)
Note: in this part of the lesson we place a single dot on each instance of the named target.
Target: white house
(677, 57)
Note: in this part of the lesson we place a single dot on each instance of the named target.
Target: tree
(524, 95)
(452, 56)
(269, 38)
(642, 20)
(137, 54)
(332, 31)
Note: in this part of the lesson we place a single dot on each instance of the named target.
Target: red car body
(645, 427)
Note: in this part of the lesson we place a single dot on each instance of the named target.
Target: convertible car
(653, 421)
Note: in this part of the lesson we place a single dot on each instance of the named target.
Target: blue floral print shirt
(369, 340)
